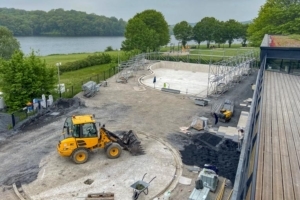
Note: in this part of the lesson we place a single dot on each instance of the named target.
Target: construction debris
(100, 196)
(90, 89)
(184, 130)
(194, 169)
(249, 100)
(201, 102)
(197, 124)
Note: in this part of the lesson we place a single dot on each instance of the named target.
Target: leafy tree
(156, 21)
(244, 28)
(220, 33)
(25, 78)
(139, 36)
(233, 30)
(147, 29)
(198, 35)
(8, 44)
(183, 32)
(275, 17)
(207, 27)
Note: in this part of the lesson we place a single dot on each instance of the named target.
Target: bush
(109, 48)
(184, 59)
(92, 60)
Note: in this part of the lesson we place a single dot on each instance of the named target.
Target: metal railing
(245, 180)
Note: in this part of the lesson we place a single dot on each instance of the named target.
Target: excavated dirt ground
(120, 107)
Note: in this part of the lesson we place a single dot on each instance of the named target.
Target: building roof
(281, 41)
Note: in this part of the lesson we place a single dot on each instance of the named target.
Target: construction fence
(72, 90)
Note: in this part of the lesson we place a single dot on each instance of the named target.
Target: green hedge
(92, 60)
(191, 59)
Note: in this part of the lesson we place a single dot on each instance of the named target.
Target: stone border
(178, 168)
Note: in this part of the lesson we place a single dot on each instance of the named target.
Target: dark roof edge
(281, 48)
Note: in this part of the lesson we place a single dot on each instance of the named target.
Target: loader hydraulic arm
(128, 140)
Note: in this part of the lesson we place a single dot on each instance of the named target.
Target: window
(295, 67)
(89, 130)
(76, 131)
(68, 122)
(273, 64)
(283, 65)
(68, 127)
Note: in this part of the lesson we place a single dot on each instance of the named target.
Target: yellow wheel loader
(80, 136)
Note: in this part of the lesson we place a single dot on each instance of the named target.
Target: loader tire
(80, 156)
(114, 151)
(106, 146)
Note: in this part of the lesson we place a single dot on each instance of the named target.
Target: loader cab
(79, 127)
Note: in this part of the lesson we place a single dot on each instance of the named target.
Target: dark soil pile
(206, 139)
(61, 106)
(209, 149)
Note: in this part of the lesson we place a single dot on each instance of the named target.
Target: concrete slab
(222, 130)
(184, 180)
(54, 113)
(243, 120)
(186, 77)
(108, 175)
(228, 132)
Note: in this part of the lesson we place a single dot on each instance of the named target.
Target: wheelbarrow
(140, 187)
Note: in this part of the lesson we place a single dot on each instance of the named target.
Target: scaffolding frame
(128, 69)
(227, 73)
(222, 76)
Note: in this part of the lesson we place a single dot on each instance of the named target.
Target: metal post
(13, 120)
(58, 64)
(118, 57)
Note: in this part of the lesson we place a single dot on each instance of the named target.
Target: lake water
(64, 45)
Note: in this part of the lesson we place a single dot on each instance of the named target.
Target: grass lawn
(51, 60)
(75, 77)
(74, 80)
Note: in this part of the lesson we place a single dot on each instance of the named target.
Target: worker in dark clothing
(216, 118)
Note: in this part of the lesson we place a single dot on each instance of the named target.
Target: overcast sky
(173, 10)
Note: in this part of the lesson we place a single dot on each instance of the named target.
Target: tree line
(275, 17)
(59, 22)
(210, 30)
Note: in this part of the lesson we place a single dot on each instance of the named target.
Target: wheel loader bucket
(132, 143)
